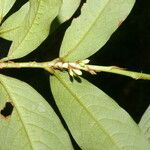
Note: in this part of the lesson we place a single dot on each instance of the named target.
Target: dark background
(129, 47)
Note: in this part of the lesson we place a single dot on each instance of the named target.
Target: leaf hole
(7, 110)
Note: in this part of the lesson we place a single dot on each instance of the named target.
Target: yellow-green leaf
(94, 119)
(10, 27)
(92, 29)
(145, 123)
(31, 124)
(67, 10)
(35, 27)
(5, 6)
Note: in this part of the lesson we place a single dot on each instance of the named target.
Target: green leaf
(68, 9)
(92, 29)
(32, 125)
(9, 28)
(94, 119)
(145, 123)
(5, 6)
(35, 27)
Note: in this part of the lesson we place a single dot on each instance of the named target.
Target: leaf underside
(68, 9)
(92, 29)
(9, 28)
(5, 6)
(32, 125)
(145, 123)
(94, 119)
(34, 28)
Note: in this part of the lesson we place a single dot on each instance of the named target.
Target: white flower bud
(92, 72)
(59, 64)
(71, 72)
(77, 72)
(86, 61)
(74, 65)
(65, 65)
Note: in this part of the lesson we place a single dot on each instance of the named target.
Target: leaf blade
(5, 6)
(68, 9)
(35, 27)
(32, 124)
(144, 123)
(94, 119)
(91, 30)
(9, 28)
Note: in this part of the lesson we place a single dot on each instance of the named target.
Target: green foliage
(34, 27)
(67, 9)
(33, 124)
(145, 123)
(98, 20)
(9, 28)
(95, 120)
(5, 6)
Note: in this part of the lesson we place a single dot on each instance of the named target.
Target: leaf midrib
(86, 33)
(88, 112)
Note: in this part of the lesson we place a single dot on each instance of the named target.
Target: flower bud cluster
(74, 69)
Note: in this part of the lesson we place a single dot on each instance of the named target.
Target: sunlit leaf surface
(5, 6)
(92, 29)
(94, 119)
(67, 10)
(34, 28)
(145, 123)
(27, 122)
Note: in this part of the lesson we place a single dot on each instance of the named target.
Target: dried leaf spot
(7, 110)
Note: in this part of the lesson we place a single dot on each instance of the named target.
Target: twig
(74, 68)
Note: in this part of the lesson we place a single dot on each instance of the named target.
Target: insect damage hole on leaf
(7, 110)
